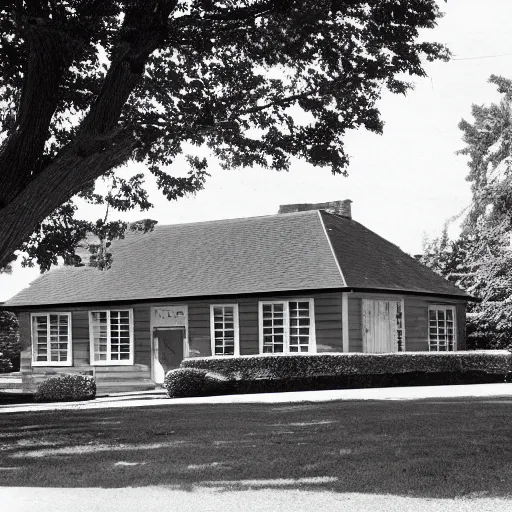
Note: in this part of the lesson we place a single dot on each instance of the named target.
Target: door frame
(158, 325)
(155, 348)
(383, 299)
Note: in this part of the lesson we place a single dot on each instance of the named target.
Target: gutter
(279, 293)
(462, 295)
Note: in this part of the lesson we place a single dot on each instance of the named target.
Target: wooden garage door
(379, 326)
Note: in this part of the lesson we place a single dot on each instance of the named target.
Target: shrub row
(66, 387)
(256, 374)
(315, 365)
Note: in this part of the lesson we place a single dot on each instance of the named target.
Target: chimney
(341, 208)
(85, 249)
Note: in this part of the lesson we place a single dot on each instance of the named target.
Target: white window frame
(286, 317)
(235, 326)
(69, 360)
(443, 307)
(109, 362)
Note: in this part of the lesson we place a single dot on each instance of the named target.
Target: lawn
(429, 448)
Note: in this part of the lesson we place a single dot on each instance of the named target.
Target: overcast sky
(405, 183)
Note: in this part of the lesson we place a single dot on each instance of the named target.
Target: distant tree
(482, 261)
(10, 347)
(87, 85)
(489, 148)
(446, 257)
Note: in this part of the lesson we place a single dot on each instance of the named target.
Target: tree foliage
(446, 257)
(489, 222)
(87, 85)
(481, 258)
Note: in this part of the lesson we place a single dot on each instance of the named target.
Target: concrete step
(107, 390)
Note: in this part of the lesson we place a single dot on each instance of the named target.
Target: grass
(429, 448)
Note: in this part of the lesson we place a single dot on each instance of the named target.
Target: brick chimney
(84, 249)
(341, 208)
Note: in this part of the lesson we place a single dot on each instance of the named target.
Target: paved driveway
(158, 499)
(152, 398)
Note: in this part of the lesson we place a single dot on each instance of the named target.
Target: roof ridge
(235, 219)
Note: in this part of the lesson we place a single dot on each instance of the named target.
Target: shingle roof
(369, 261)
(258, 254)
(253, 255)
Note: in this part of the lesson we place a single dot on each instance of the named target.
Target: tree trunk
(59, 182)
(28, 197)
(49, 54)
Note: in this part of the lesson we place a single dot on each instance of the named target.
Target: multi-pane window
(224, 329)
(441, 328)
(299, 326)
(287, 326)
(111, 337)
(273, 327)
(51, 339)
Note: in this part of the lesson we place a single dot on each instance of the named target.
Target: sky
(404, 184)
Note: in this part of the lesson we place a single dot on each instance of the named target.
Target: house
(310, 279)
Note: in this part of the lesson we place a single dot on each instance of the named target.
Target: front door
(380, 326)
(168, 343)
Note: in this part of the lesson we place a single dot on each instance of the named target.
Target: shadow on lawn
(425, 449)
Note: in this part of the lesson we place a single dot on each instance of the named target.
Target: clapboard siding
(142, 334)
(415, 319)
(461, 326)
(107, 377)
(416, 325)
(327, 320)
(355, 334)
(328, 323)
(199, 329)
(80, 341)
(249, 327)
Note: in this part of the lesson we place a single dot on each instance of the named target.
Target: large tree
(488, 225)
(480, 260)
(87, 85)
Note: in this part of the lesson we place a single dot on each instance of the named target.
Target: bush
(5, 364)
(254, 374)
(10, 347)
(66, 387)
(188, 382)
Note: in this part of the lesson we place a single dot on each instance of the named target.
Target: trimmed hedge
(66, 387)
(256, 374)
(187, 382)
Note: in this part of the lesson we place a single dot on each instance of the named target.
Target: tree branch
(100, 144)
(48, 56)
(144, 29)
(281, 101)
(62, 179)
(240, 14)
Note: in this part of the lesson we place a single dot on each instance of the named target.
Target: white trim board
(344, 321)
